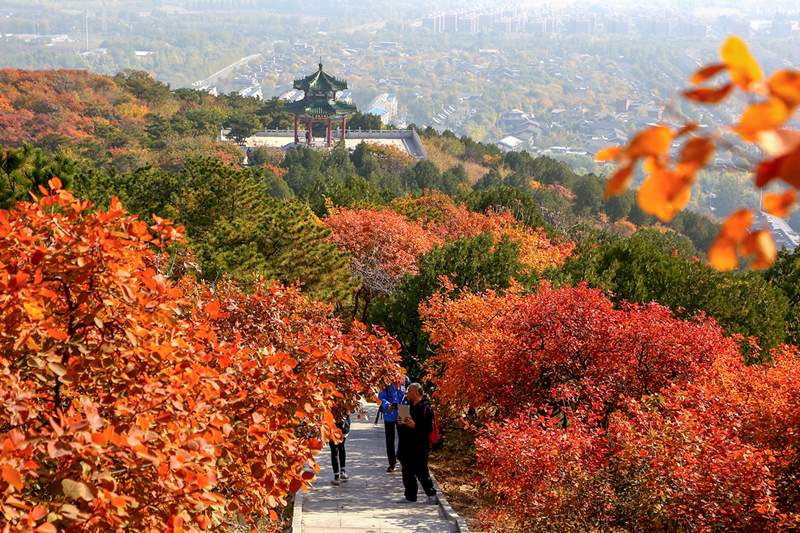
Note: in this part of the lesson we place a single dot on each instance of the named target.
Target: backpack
(436, 436)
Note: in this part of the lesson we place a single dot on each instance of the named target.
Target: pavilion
(319, 104)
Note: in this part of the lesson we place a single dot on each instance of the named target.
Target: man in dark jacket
(414, 432)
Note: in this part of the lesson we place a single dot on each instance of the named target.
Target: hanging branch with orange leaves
(666, 189)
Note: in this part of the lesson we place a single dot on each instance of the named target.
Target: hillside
(182, 331)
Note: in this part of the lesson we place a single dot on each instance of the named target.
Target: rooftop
(320, 81)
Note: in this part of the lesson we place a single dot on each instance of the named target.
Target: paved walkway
(370, 501)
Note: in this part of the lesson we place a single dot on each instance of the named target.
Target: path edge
(456, 520)
(297, 512)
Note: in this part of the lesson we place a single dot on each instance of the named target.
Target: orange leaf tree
(127, 401)
(764, 123)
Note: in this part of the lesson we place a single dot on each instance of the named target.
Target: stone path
(370, 501)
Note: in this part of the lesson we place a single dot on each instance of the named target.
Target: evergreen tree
(23, 170)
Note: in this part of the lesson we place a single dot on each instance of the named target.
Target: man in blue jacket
(390, 397)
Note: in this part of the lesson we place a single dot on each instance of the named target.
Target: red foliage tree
(129, 402)
(561, 348)
(595, 417)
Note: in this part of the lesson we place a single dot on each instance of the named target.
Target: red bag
(435, 437)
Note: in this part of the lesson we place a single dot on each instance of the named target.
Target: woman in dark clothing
(338, 454)
(415, 434)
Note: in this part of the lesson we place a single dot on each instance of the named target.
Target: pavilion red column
(310, 131)
(296, 139)
(330, 127)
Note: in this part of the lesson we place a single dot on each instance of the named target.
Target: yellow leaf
(743, 67)
(34, 311)
(779, 204)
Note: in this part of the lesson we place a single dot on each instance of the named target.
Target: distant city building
(385, 106)
(346, 97)
(618, 26)
(785, 236)
(519, 124)
(468, 23)
(509, 143)
(253, 91)
(292, 96)
(434, 23)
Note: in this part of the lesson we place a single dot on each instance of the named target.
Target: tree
(593, 416)
(143, 86)
(242, 125)
(469, 264)
(785, 275)
(502, 197)
(383, 247)
(653, 266)
(764, 122)
(130, 402)
(24, 170)
(364, 121)
(238, 229)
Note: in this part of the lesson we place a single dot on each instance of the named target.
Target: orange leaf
(664, 194)
(54, 184)
(686, 129)
(761, 245)
(744, 69)
(786, 167)
(11, 476)
(609, 153)
(779, 204)
(722, 254)
(709, 95)
(47, 527)
(618, 182)
(762, 116)
(737, 225)
(654, 141)
(708, 72)
(212, 309)
(785, 84)
(696, 153)
(778, 142)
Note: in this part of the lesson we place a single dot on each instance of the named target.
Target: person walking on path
(390, 397)
(415, 431)
(338, 454)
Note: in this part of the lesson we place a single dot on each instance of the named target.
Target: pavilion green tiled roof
(320, 81)
(320, 108)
